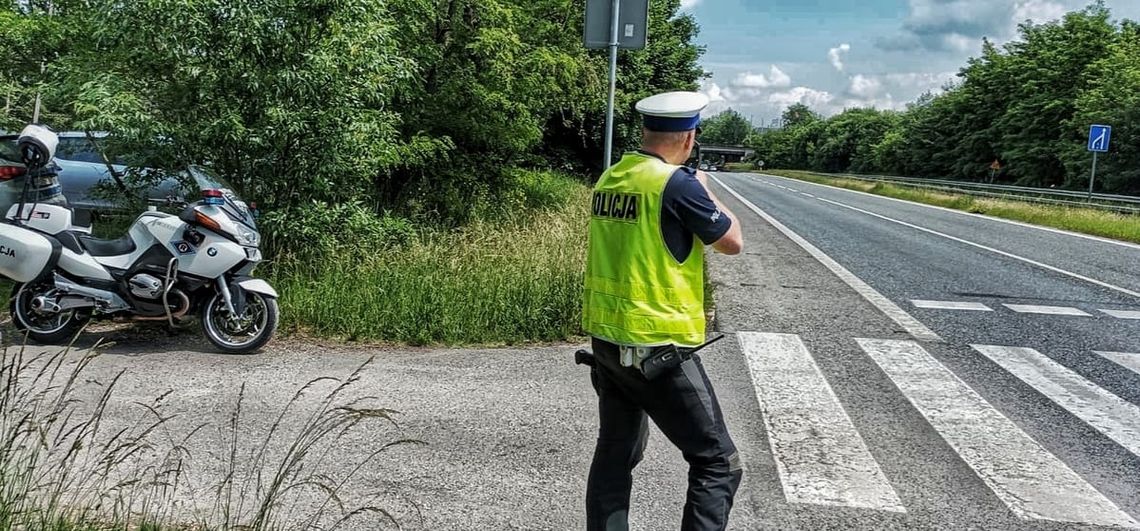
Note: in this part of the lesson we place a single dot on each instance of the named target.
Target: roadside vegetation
(1026, 104)
(65, 465)
(1083, 220)
(419, 164)
(514, 275)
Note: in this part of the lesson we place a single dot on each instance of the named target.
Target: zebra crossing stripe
(1032, 482)
(1109, 414)
(1124, 359)
(820, 456)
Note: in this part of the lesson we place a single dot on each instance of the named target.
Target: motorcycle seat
(98, 247)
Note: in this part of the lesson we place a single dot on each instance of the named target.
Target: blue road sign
(1099, 137)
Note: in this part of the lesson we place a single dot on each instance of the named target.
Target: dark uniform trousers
(684, 407)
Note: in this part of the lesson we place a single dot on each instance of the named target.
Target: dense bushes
(418, 107)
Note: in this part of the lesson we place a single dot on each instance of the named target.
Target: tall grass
(1122, 227)
(67, 464)
(515, 277)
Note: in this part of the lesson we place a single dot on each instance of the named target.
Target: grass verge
(73, 456)
(511, 280)
(1083, 220)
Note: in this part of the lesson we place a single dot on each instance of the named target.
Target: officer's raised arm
(732, 242)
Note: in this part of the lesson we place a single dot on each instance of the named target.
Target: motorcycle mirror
(37, 145)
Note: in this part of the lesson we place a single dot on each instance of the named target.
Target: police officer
(644, 291)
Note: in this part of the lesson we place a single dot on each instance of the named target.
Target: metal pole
(614, 22)
(1092, 180)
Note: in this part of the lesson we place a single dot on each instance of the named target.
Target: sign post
(994, 168)
(1100, 137)
(615, 24)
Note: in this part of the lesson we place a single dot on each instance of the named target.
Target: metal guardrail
(1114, 203)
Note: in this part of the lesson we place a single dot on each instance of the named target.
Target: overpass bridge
(724, 153)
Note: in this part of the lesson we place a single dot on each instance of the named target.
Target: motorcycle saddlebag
(26, 255)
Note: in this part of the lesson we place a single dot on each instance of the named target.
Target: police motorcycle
(165, 268)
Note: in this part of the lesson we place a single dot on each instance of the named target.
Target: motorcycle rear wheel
(46, 328)
(246, 334)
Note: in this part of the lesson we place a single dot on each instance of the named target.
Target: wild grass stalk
(71, 459)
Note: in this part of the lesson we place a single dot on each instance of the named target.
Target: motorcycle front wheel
(44, 327)
(243, 334)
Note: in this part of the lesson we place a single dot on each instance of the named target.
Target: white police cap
(673, 111)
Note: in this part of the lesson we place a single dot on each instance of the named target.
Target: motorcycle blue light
(213, 197)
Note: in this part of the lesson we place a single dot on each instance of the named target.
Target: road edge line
(913, 326)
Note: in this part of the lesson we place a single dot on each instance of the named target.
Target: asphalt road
(853, 407)
(1006, 420)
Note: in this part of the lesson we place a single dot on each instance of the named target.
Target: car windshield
(9, 150)
(206, 179)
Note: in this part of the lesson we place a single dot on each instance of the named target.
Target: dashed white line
(1127, 360)
(805, 194)
(1109, 414)
(913, 326)
(1047, 310)
(1123, 314)
(952, 305)
(987, 248)
(1032, 482)
(809, 431)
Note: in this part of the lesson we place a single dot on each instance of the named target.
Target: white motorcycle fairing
(210, 258)
(26, 255)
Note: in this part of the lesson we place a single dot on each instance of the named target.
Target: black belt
(660, 360)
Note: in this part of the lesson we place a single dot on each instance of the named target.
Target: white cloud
(713, 91)
(776, 78)
(835, 55)
(865, 87)
(1038, 10)
(815, 99)
(689, 4)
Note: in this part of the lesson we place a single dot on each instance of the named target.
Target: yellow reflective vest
(637, 294)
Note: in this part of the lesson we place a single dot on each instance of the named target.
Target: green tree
(291, 100)
(728, 127)
(1113, 99)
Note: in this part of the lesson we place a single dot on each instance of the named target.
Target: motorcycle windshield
(234, 206)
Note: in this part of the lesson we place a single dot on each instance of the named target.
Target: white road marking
(952, 305)
(972, 214)
(1047, 310)
(1122, 314)
(805, 194)
(1032, 482)
(820, 456)
(915, 328)
(1109, 414)
(1124, 359)
(990, 249)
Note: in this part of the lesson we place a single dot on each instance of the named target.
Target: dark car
(81, 170)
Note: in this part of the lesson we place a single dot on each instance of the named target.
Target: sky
(833, 54)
